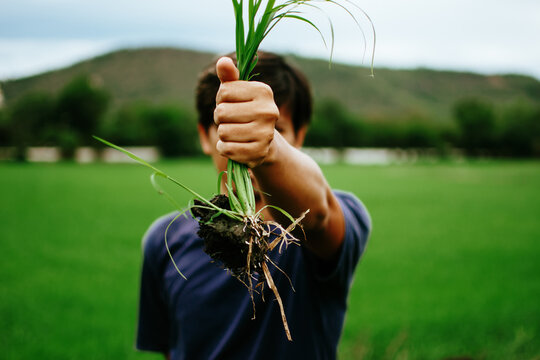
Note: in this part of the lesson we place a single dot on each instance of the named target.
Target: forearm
(295, 183)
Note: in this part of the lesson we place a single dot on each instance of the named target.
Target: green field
(452, 268)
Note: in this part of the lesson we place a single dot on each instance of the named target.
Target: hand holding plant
(245, 116)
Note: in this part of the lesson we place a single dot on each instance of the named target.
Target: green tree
(80, 107)
(29, 121)
(127, 126)
(476, 123)
(5, 131)
(520, 133)
(420, 134)
(334, 126)
(173, 130)
(384, 134)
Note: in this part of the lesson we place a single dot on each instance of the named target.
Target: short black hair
(290, 86)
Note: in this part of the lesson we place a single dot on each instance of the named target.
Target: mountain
(169, 75)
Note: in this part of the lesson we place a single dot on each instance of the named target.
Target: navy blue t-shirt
(209, 315)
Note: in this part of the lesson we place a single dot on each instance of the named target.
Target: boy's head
(290, 87)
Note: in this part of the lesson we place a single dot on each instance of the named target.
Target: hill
(169, 75)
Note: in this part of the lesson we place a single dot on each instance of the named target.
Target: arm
(296, 183)
(246, 116)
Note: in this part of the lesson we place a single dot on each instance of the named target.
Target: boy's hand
(245, 116)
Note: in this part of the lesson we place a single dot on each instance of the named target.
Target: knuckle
(220, 113)
(224, 149)
(219, 96)
(221, 132)
(269, 136)
(217, 111)
(219, 147)
(223, 92)
(273, 113)
(267, 112)
(260, 153)
(264, 135)
(275, 110)
(264, 89)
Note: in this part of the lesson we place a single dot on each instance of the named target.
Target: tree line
(82, 109)
(477, 128)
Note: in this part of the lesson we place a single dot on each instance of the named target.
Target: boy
(260, 123)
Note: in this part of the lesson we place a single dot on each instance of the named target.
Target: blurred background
(442, 145)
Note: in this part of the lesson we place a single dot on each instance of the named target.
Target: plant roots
(242, 246)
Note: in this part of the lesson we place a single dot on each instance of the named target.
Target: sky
(465, 35)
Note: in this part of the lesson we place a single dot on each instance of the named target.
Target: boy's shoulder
(351, 205)
(358, 223)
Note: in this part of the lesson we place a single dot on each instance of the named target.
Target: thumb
(226, 70)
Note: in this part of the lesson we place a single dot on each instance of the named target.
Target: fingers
(226, 70)
(250, 153)
(245, 133)
(245, 112)
(240, 91)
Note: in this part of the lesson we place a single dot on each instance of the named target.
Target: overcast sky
(484, 36)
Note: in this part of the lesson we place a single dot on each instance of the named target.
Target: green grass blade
(220, 178)
(241, 180)
(160, 190)
(160, 173)
(250, 192)
(230, 193)
(301, 18)
(251, 15)
(233, 200)
(156, 170)
(252, 66)
(289, 216)
(332, 37)
(167, 244)
(239, 30)
(130, 154)
(360, 27)
(248, 188)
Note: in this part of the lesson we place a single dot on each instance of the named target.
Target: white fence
(83, 154)
(375, 156)
(354, 156)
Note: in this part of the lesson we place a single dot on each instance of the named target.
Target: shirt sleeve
(153, 327)
(338, 275)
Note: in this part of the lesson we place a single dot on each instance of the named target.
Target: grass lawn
(452, 268)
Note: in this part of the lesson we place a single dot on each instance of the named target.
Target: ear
(300, 136)
(204, 139)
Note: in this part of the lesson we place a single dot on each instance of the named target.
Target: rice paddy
(452, 268)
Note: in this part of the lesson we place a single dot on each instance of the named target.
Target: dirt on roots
(229, 241)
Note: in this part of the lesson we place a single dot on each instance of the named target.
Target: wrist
(274, 149)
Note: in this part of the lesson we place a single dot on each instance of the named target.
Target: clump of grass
(233, 231)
